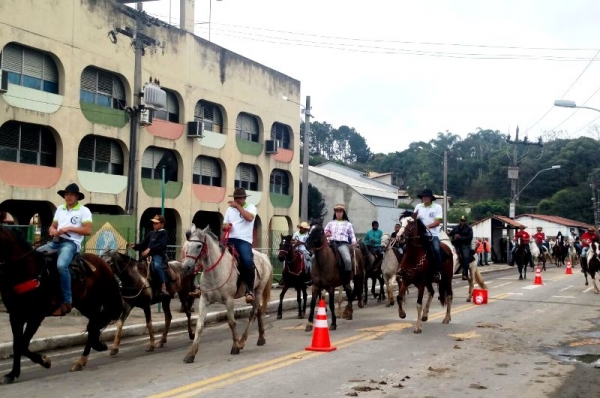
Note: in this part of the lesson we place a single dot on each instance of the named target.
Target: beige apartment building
(66, 109)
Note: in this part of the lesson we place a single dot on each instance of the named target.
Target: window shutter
(30, 137)
(197, 166)
(50, 70)
(9, 135)
(116, 154)
(12, 58)
(33, 63)
(118, 89)
(48, 144)
(148, 159)
(172, 103)
(86, 147)
(88, 79)
(105, 83)
(102, 150)
(238, 172)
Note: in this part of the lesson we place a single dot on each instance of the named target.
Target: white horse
(218, 283)
(474, 275)
(389, 267)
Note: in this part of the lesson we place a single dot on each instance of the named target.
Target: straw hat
(303, 225)
(339, 206)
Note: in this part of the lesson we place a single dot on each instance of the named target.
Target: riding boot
(346, 276)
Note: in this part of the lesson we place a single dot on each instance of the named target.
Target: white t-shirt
(300, 238)
(74, 217)
(428, 214)
(241, 229)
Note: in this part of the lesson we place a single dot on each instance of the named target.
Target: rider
(298, 240)
(395, 234)
(373, 240)
(524, 236)
(72, 221)
(540, 240)
(155, 245)
(587, 238)
(340, 231)
(431, 214)
(240, 218)
(461, 236)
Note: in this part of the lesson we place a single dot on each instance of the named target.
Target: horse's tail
(266, 294)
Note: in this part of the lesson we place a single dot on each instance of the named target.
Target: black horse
(522, 258)
(293, 275)
(30, 290)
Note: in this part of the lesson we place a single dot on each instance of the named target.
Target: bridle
(199, 267)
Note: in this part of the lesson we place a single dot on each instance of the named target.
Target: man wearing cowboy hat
(298, 239)
(431, 215)
(461, 236)
(586, 239)
(72, 221)
(524, 236)
(540, 240)
(239, 219)
(155, 245)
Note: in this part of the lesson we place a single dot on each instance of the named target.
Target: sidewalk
(70, 330)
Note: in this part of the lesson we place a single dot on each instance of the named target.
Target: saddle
(338, 258)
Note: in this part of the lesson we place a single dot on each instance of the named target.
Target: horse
(521, 258)
(591, 265)
(573, 255)
(30, 290)
(326, 275)
(474, 275)
(373, 272)
(416, 269)
(392, 257)
(559, 253)
(219, 284)
(293, 275)
(138, 291)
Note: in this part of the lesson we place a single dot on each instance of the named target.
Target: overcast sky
(401, 71)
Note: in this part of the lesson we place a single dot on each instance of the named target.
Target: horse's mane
(424, 233)
(404, 214)
(18, 237)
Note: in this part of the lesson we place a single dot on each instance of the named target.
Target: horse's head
(15, 254)
(285, 247)
(316, 237)
(118, 262)
(197, 247)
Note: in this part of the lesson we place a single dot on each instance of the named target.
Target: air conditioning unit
(271, 146)
(3, 81)
(146, 117)
(195, 129)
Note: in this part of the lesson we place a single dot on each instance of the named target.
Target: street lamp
(306, 144)
(516, 196)
(572, 104)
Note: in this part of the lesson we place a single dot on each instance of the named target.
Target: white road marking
(565, 288)
(570, 297)
(531, 287)
(588, 289)
(504, 284)
(515, 294)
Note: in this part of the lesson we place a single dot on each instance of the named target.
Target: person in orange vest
(487, 249)
(479, 251)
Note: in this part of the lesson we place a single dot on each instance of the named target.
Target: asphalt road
(524, 343)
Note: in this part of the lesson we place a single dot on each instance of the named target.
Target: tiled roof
(558, 220)
(504, 219)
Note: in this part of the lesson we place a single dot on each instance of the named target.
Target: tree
(316, 203)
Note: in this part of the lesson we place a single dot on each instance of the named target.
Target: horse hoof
(308, 328)
(191, 336)
(417, 331)
(586, 283)
(150, 348)
(424, 319)
(361, 304)
(299, 316)
(235, 350)
(520, 277)
(100, 346)
(348, 317)
(402, 314)
(261, 342)
(188, 358)
(333, 327)
(469, 299)
(77, 367)
(378, 301)
(279, 316)
(160, 344)
(388, 305)
(46, 362)
(446, 321)
(9, 379)
(114, 351)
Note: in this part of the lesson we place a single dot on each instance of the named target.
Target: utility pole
(445, 222)
(305, 161)
(595, 204)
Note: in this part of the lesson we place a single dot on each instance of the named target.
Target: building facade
(66, 116)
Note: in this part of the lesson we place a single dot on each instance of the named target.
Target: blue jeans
(435, 243)
(66, 249)
(244, 249)
(307, 259)
(464, 251)
(159, 271)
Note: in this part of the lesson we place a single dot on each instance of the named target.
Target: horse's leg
(281, 297)
(313, 301)
(420, 291)
(31, 328)
(448, 316)
(400, 299)
(304, 294)
(430, 292)
(229, 306)
(148, 315)
(166, 303)
(254, 312)
(260, 318)
(390, 289)
(202, 310)
(366, 288)
(16, 325)
(93, 341)
(331, 293)
(381, 289)
(117, 341)
(187, 303)
(299, 301)
(593, 276)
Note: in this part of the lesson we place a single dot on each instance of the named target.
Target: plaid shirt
(341, 231)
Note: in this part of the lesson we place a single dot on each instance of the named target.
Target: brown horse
(416, 269)
(293, 275)
(30, 291)
(326, 275)
(372, 272)
(138, 291)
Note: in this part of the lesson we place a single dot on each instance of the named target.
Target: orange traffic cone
(538, 276)
(569, 270)
(320, 340)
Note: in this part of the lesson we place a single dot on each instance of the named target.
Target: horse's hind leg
(299, 301)
(30, 330)
(168, 317)
(117, 341)
(304, 296)
(311, 314)
(448, 316)
(281, 297)
(148, 315)
(331, 292)
(93, 341)
(425, 314)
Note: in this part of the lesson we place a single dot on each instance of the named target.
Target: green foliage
(454, 214)
(316, 203)
(487, 208)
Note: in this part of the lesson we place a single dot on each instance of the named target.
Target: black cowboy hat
(239, 193)
(426, 192)
(73, 188)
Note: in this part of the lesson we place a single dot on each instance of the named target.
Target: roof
(504, 219)
(362, 185)
(558, 220)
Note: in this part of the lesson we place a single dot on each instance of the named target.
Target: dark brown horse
(591, 264)
(326, 275)
(417, 269)
(138, 291)
(31, 291)
(293, 275)
(372, 272)
(559, 253)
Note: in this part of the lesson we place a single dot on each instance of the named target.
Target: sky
(402, 71)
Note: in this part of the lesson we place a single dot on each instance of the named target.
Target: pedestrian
(72, 221)
(461, 237)
(155, 246)
(340, 232)
(431, 215)
(487, 249)
(479, 251)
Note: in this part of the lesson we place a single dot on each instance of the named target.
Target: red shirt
(524, 235)
(588, 237)
(539, 237)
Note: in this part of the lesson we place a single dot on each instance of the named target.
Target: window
(280, 132)
(102, 88)
(279, 182)
(100, 155)
(29, 68)
(171, 114)
(153, 161)
(27, 143)
(246, 127)
(210, 114)
(246, 177)
(207, 171)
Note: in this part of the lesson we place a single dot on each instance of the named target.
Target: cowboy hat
(339, 206)
(591, 229)
(539, 228)
(158, 218)
(239, 193)
(303, 225)
(522, 226)
(73, 188)
(463, 218)
(426, 192)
